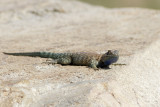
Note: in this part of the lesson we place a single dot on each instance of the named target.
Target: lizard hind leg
(64, 61)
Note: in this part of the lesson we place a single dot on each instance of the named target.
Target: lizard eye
(112, 52)
(109, 52)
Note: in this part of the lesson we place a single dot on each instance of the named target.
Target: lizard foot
(94, 68)
(50, 61)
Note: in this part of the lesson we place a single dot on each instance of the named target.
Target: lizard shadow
(105, 68)
(100, 67)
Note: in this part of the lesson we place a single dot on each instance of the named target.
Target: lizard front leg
(93, 64)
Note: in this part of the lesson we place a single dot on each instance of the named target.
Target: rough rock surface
(65, 25)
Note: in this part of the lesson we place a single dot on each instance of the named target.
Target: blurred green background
(153, 4)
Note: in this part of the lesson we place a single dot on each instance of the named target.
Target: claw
(95, 68)
(50, 61)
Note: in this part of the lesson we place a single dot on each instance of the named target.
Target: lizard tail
(33, 54)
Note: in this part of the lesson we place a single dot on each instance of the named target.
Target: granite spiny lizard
(92, 60)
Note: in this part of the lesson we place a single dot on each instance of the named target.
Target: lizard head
(109, 57)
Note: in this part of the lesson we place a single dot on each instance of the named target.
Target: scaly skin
(92, 60)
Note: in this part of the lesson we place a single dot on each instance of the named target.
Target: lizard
(93, 60)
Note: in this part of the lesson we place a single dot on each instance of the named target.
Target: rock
(65, 25)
